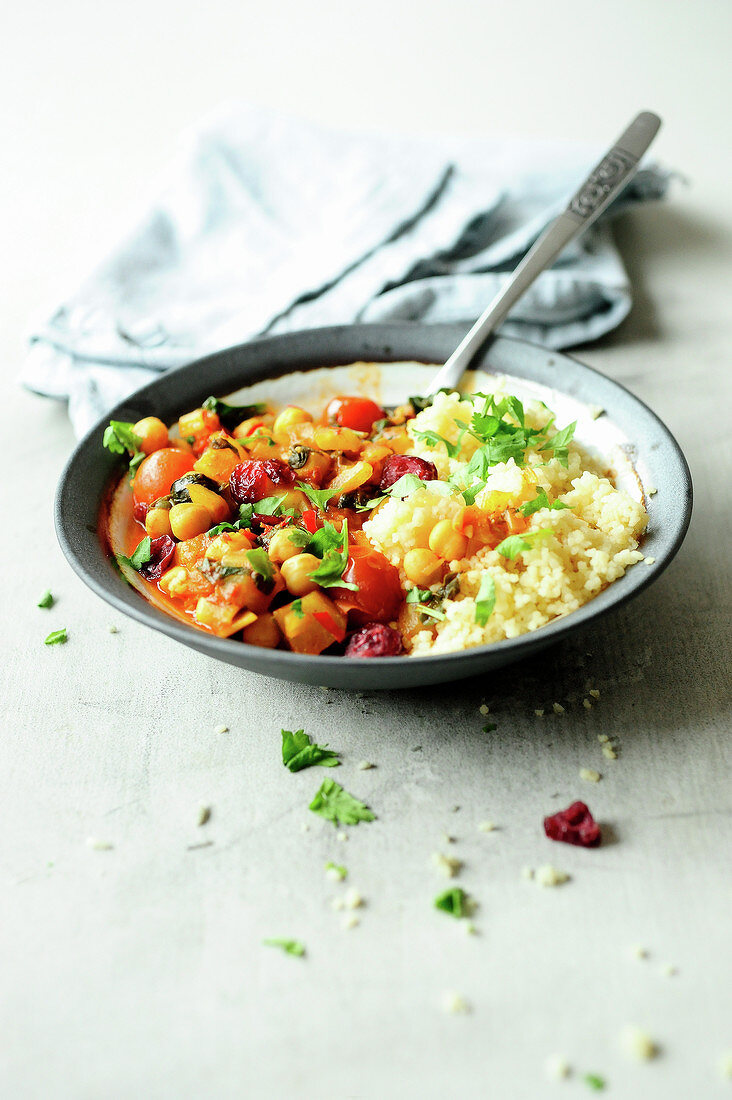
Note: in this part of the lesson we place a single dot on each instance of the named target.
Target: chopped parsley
(485, 601)
(335, 804)
(299, 751)
(516, 544)
(290, 947)
(434, 439)
(141, 556)
(260, 563)
(594, 1081)
(318, 497)
(541, 500)
(455, 902)
(46, 599)
(231, 415)
(334, 557)
(490, 727)
(407, 484)
(272, 506)
(120, 439)
(57, 637)
(337, 870)
(426, 601)
(297, 535)
(296, 609)
(557, 445)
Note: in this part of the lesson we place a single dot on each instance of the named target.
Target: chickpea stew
(436, 525)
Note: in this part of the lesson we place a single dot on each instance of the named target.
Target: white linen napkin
(268, 224)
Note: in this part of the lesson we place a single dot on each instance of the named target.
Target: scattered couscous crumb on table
(427, 528)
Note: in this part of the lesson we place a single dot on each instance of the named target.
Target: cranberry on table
(575, 825)
(398, 465)
(374, 640)
(161, 555)
(258, 478)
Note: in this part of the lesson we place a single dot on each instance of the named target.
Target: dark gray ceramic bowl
(90, 468)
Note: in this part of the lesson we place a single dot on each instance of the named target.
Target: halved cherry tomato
(158, 471)
(379, 596)
(357, 413)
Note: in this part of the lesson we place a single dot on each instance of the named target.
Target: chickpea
(423, 567)
(288, 418)
(153, 434)
(446, 542)
(157, 522)
(189, 520)
(281, 547)
(264, 632)
(296, 574)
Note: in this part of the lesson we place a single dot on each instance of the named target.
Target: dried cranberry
(161, 553)
(399, 465)
(257, 478)
(374, 640)
(139, 511)
(575, 825)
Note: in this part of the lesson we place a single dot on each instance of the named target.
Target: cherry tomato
(379, 596)
(357, 413)
(158, 471)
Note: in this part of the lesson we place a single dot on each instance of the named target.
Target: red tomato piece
(326, 621)
(158, 471)
(258, 478)
(379, 596)
(357, 413)
(311, 520)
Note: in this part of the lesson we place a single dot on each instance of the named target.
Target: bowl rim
(279, 662)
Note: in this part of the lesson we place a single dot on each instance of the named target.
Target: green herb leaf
(296, 608)
(290, 947)
(56, 637)
(221, 527)
(455, 902)
(594, 1081)
(299, 751)
(318, 497)
(557, 445)
(46, 599)
(119, 437)
(337, 868)
(541, 500)
(330, 571)
(489, 727)
(246, 511)
(140, 557)
(405, 486)
(270, 506)
(434, 439)
(335, 804)
(423, 596)
(260, 563)
(485, 601)
(231, 415)
(516, 544)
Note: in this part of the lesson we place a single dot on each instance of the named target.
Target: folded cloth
(268, 224)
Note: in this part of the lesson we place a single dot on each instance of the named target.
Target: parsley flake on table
(541, 500)
(46, 599)
(57, 637)
(299, 751)
(335, 804)
(594, 1081)
(455, 902)
(336, 870)
(290, 947)
(485, 601)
